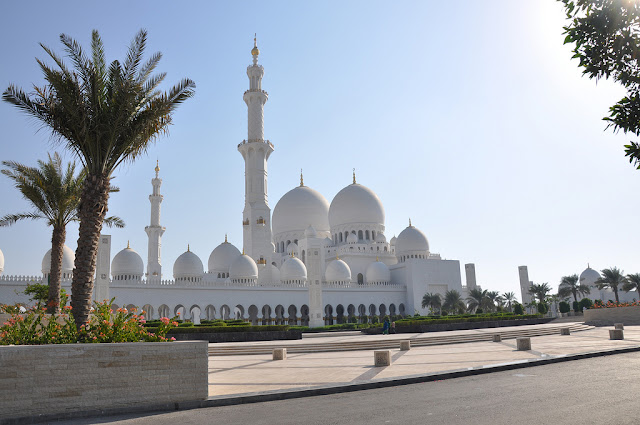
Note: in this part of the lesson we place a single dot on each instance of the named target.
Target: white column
(103, 269)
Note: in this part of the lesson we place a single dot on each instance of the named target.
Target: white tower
(155, 232)
(256, 217)
(525, 283)
(470, 272)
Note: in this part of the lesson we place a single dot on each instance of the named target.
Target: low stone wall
(610, 316)
(237, 336)
(57, 379)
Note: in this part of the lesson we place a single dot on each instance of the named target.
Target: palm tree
(540, 291)
(569, 286)
(509, 298)
(433, 301)
(453, 301)
(492, 298)
(476, 299)
(54, 193)
(611, 278)
(633, 282)
(106, 115)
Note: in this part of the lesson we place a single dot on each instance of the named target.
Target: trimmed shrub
(585, 303)
(542, 308)
(576, 307)
(479, 311)
(518, 309)
(564, 307)
(375, 319)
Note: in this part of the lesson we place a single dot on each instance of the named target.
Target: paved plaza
(237, 375)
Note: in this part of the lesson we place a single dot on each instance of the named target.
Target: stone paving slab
(243, 374)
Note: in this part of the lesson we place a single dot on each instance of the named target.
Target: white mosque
(312, 263)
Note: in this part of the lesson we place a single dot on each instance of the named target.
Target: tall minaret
(155, 232)
(256, 217)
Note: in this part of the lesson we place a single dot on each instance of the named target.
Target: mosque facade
(309, 262)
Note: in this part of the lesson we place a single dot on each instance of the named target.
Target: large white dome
(298, 209)
(222, 257)
(412, 241)
(127, 262)
(68, 259)
(378, 272)
(356, 204)
(589, 277)
(1, 262)
(188, 265)
(337, 271)
(293, 269)
(243, 267)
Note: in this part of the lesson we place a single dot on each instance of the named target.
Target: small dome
(292, 249)
(188, 265)
(356, 204)
(310, 232)
(293, 269)
(1, 262)
(243, 267)
(352, 238)
(298, 209)
(275, 273)
(222, 257)
(393, 240)
(378, 272)
(381, 238)
(589, 276)
(412, 241)
(337, 271)
(127, 262)
(328, 242)
(68, 259)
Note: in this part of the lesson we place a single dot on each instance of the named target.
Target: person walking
(385, 326)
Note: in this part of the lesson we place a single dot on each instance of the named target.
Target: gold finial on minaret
(225, 238)
(301, 179)
(255, 51)
(409, 221)
(188, 248)
(354, 176)
(128, 247)
(242, 250)
(157, 166)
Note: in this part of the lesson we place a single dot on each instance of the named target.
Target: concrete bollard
(565, 331)
(616, 334)
(279, 354)
(523, 344)
(618, 326)
(497, 338)
(405, 345)
(382, 358)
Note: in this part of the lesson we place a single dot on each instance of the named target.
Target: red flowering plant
(35, 327)
(611, 304)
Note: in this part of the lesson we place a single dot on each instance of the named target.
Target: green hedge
(416, 321)
(339, 327)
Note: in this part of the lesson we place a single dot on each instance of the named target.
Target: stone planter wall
(609, 316)
(440, 327)
(56, 379)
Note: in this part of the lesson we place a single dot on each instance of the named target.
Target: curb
(276, 395)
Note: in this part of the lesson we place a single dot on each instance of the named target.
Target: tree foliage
(611, 278)
(106, 114)
(606, 38)
(569, 286)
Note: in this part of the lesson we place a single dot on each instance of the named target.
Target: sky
(469, 118)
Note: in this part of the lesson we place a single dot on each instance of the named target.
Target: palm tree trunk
(93, 209)
(615, 291)
(57, 244)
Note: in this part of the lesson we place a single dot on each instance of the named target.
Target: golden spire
(301, 179)
(188, 248)
(128, 247)
(157, 166)
(409, 221)
(354, 176)
(225, 238)
(255, 51)
(242, 250)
